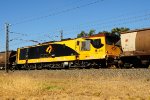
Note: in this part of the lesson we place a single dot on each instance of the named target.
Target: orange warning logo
(49, 49)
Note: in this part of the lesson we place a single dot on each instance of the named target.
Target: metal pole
(61, 34)
(7, 47)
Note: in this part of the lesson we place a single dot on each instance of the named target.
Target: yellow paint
(93, 53)
(112, 50)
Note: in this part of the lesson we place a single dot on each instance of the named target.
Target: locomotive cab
(101, 48)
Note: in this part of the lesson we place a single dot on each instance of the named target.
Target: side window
(78, 43)
(22, 55)
(85, 45)
(96, 43)
(27, 53)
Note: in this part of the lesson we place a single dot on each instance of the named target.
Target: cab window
(85, 45)
(96, 43)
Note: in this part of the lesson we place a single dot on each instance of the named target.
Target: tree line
(116, 31)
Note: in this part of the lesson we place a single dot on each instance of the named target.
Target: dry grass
(90, 84)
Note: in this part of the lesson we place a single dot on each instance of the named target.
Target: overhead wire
(33, 35)
(112, 20)
(41, 16)
(115, 20)
(56, 13)
(105, 23)
(59, 12)
(18, 33)
(123, 23)
(50, 10)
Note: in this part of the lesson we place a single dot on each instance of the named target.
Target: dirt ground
(91, 84)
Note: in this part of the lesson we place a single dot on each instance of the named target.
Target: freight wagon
(11, 59)
(136, 48)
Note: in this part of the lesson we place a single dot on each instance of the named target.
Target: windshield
(96, 43)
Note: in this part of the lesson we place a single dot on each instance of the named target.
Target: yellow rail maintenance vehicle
(87, 52)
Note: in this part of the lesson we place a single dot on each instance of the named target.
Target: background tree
(118, 31)
(115, 31)
(91, 32)
(82, 34)
(104, 32)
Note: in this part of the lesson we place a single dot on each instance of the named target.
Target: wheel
(104, 64)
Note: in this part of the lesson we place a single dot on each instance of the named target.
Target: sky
(36, 21)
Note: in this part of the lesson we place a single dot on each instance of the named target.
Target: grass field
(92, 84)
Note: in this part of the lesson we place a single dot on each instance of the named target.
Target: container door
(128, 41)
